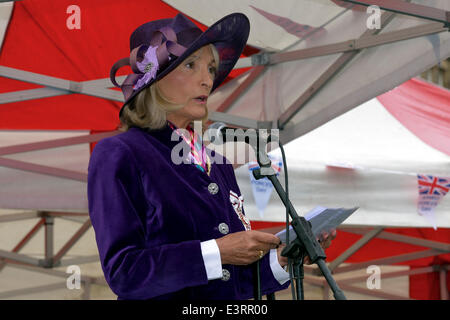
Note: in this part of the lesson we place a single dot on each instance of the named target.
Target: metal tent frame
(434, 248)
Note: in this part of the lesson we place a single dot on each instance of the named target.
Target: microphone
(218, 133)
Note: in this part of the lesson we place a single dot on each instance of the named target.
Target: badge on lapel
(238, 204)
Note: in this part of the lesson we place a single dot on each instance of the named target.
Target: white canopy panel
(35, 191)
(271, 22)
(368, 74)
(5, 14)
(363, 158)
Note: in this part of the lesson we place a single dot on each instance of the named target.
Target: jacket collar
(166, 135)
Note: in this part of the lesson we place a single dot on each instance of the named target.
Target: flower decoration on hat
(148, 66)
(163, 43)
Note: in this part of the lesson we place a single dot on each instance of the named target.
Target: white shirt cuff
(278, 272)
(211, 259)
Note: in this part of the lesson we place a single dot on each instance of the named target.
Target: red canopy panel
(421, 286)
(38, 40)
(379, 248)
(424, 109)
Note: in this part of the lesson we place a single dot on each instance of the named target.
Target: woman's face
(189, 85)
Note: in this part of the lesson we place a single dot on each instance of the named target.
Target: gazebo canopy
(307, 62)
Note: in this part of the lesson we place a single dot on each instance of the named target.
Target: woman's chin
(199, 114)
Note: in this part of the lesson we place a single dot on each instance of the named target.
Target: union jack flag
(433, 185)
(253, 165)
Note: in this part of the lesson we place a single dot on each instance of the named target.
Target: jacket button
(213, 188)
(225, 275)
(223, 228)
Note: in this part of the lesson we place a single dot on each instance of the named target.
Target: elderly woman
(166, 230)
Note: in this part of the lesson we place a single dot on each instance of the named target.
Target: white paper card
(322, 219)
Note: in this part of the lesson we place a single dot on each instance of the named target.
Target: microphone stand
(257, 281)
(305, 241)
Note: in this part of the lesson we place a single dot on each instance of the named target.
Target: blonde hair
(149, 108)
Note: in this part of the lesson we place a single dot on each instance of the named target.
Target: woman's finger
(307, 260)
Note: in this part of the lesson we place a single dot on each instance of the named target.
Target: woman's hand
(283, 261)
(245, 247)
(324, 240)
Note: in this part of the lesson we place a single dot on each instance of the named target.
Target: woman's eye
(212, 70)
(190, 65)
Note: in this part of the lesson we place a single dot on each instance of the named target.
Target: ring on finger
(261, 254)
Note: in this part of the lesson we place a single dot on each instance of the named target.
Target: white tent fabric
(370, 73)
(27, 190)
(263, 34)
(364, 158)
(5, 14)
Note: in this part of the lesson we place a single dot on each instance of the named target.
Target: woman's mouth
(201, 99)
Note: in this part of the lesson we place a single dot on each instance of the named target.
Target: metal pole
(49, 236)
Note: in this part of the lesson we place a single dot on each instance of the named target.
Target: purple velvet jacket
(150, 215)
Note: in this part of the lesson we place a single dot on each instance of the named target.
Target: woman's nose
(206, 78)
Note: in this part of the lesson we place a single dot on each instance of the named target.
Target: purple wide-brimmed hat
(159, 46)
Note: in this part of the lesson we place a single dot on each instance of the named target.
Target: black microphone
(218, 133)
